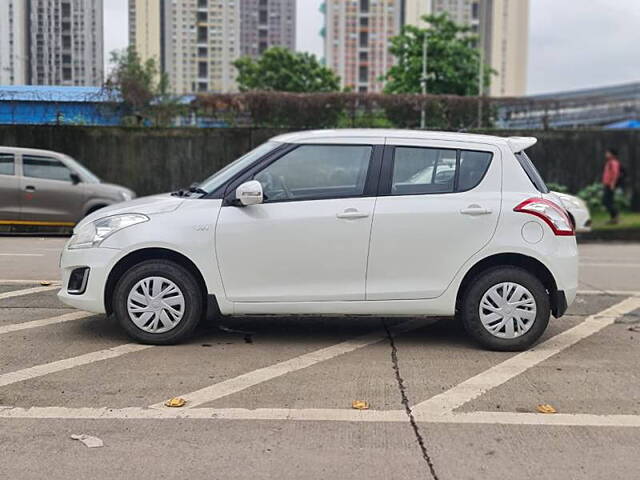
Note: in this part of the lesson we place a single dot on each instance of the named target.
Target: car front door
(9, 189)
(309, 239)
(439, 204)
(47, 192)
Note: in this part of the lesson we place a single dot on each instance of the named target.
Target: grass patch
(628, 221)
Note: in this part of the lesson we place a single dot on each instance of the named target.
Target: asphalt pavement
(272, 398)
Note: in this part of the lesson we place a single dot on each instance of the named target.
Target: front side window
(7, 164)
(45, 167)
(317, 172)
(423, 170)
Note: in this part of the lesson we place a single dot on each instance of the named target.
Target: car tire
(512, 323)
(160, 319)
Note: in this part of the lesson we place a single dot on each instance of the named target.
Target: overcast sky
(572, 43)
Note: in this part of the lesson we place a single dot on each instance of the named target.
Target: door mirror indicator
(75, 178)
(250, 193)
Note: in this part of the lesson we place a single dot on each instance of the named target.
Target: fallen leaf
(88, 440)
(45, 283)
(360, 405)
(546, 408)
(175, 402)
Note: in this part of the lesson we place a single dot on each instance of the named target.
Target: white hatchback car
(338, 222)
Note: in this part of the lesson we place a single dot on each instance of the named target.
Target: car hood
(151, 205)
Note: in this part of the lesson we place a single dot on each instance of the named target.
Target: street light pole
(423, 82)
(481, 42)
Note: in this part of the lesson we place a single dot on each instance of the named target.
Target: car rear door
(439, 204)
(309, 240)
(47, 193)
(9, 188)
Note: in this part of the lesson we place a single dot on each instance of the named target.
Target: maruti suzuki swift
(338, 222)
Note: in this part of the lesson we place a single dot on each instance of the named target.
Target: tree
(141, 89)
(279, 69)
(453, 60)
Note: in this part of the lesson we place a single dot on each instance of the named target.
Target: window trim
(370, 184)
(386, 177)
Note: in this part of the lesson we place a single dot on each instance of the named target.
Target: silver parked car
(44, 188)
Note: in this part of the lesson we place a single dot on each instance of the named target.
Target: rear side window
(44, 167)
(418, 170)
(473, 166)
(423, 170)
(532, 172)
(7, 164)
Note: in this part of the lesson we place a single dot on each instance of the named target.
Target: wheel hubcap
(507, 310)
(155, 305)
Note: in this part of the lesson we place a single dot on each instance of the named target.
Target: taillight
(554, 215)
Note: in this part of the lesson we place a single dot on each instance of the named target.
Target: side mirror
(75, 178)
(250, 193)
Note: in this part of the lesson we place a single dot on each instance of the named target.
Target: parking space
(274, 395)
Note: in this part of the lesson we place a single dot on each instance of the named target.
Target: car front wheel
(506, 309)
(158, 302)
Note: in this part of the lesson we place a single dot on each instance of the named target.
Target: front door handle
(29, 188)
(475, 210)
(352, 214)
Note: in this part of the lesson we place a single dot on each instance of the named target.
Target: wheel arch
(530, 264)
(153, 253)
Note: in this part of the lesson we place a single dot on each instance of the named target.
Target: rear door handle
(475, 210)
(29, 188)
(352, 214)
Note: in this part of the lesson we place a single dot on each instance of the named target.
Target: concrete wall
(157, 160)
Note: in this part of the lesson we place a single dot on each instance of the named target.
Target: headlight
(94, 233)
(570, 202)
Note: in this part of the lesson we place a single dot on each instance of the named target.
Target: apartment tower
(503, 27)
(267, 23)
(357, 36)
(51, 42)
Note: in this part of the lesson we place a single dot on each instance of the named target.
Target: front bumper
(99, 261)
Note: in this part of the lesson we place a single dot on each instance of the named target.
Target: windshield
(221, 176)
(87, 175)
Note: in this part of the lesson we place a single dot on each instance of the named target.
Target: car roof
(516, 144)
(32, 151)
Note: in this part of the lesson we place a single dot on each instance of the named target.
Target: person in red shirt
(610, 177)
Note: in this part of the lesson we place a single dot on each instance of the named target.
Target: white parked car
(338, 222)
(578, 211)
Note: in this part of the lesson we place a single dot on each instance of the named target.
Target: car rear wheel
(158, 302)
(506, 309)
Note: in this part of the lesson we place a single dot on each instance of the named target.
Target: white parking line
(320, 414)
(67, 363)
(67, 317)
(472, 388)
(622, 293)
(27, 291)
(13, 281)
(242, 382)
(610, 265)
(21, 254)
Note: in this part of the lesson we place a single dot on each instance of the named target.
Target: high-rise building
(503, 27)
(414, 10)
(66, 42)
(357, 36)
(195, 41)
(145, 28)
(267, 23)
(51, 42)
